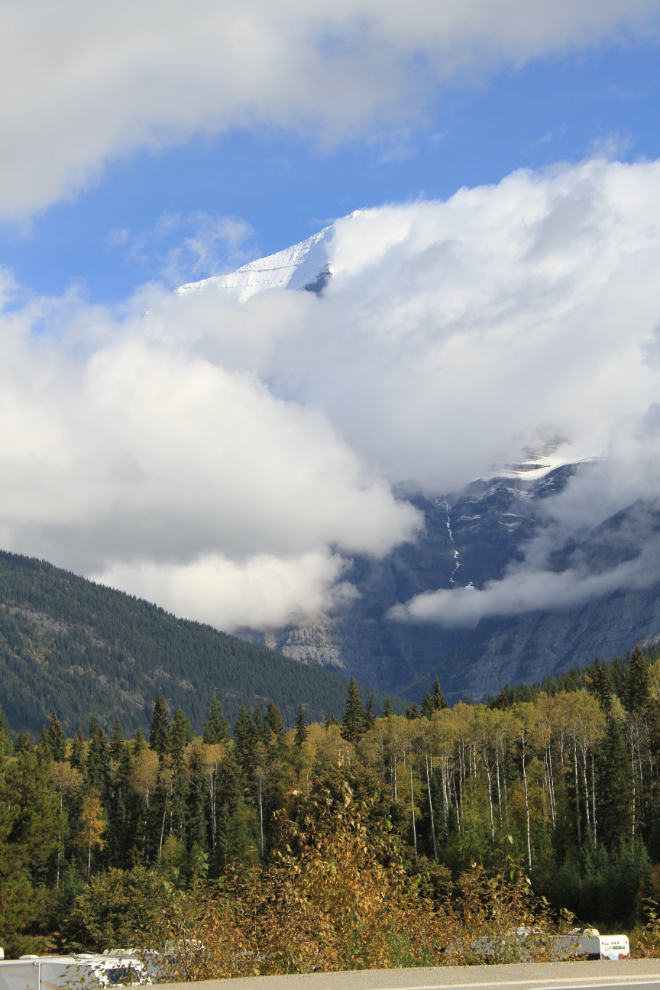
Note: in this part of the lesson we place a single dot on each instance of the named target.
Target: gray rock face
(471, 537)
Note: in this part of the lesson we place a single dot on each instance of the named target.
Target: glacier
(304, 266)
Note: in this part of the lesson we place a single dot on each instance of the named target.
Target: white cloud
(453, 334)
(144, 459)
(83, 83)
(526, 590)
(264, 591)
(204, 245)
(226, 457)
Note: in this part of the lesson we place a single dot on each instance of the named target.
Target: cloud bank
(227, 458)
(84, 83)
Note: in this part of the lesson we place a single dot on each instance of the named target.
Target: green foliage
(159, 736)
(301, 727)
(30, 821)
(119, 908)
(353, 722)
(69, 645)
(216, 728)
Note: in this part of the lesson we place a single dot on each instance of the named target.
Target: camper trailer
(77, 972)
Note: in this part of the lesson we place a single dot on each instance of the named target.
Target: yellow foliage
(336, 897)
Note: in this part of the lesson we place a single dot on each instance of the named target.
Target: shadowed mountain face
(471, 537)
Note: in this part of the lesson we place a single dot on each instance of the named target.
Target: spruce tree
(77, 758)
(139, 742)
(117, 741)
(196, 820)
(353, 721)
(615, 812)
(259, 725)
(98, 761)
(179, 734)
(274, 720)
(601, 686)
(179, 737)
(369, 714)
(55, 739)
(159, 737)
(427, 706)
(118, 833)
(388, 711)
(439, 700)
(300, 735)
(24, 743)
(216, 729)
(638, 694)
(244, 738)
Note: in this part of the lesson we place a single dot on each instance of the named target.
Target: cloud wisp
(86, 83)
(203, 245)
(228, 457)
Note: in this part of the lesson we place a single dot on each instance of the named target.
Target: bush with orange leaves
(337, 897)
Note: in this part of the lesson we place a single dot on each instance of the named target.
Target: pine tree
(55, 739)
(601, 686)
(615, 812)
(159, 737)
(77, 758)
(216, 729)
(24, 743)
(638, 694)
(121, 827)
(353, 720)
(427, 706)
(439, 700)
(274, 720)
(300, 735)
(117, 741)
(97, 765)
(139, 742)
(196, 820)
(178, 737)
(244, 738)
(259, 725)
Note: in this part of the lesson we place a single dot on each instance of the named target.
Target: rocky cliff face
(470, 538)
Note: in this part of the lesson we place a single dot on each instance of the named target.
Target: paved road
(642, 973)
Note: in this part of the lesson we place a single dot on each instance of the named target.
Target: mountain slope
(470, 538)
(303, 266)
(80, 648)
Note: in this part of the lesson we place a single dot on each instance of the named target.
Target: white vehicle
(82, 970)
(604, 946)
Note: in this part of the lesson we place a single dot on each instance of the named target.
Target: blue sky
(225, 456)
(116, 234)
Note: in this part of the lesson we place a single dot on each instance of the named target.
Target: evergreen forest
(386, 838)
(75, 647)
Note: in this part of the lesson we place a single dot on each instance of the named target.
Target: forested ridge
(110, 840)
(79, 648)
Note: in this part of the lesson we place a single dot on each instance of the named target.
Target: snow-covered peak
(303, 266)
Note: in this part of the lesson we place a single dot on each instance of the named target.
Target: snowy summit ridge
(303, 266)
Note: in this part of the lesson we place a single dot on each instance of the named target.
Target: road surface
(642, 973)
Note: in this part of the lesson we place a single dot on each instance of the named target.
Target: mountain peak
(304, 266)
